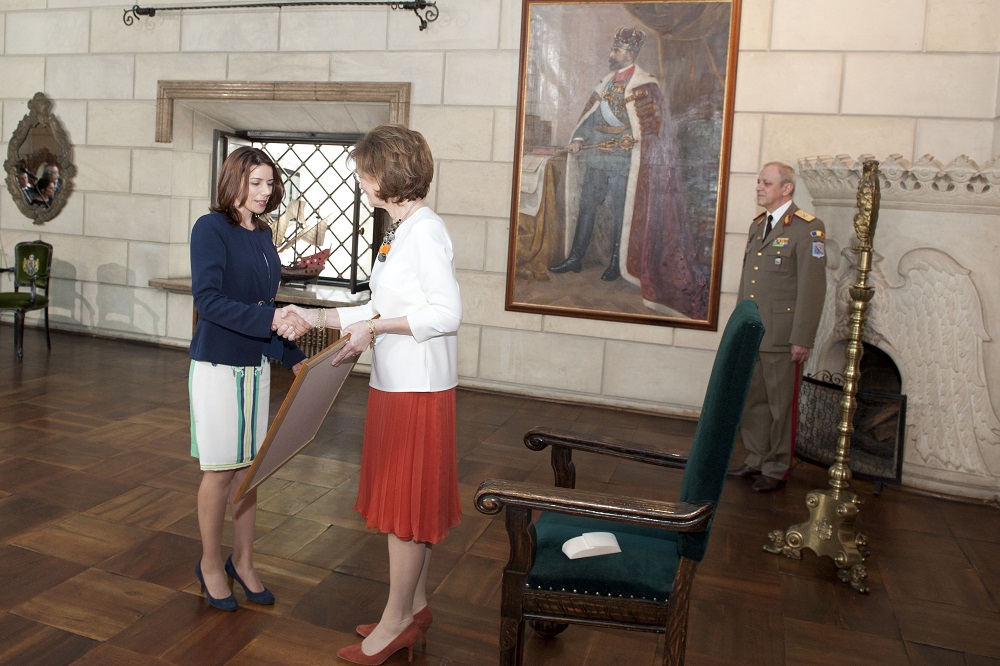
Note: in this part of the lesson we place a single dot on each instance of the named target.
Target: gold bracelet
(371, 331)
(321, 320)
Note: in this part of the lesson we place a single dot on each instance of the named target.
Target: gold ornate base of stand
(829, 532)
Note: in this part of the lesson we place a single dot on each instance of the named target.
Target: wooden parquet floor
(98, 539)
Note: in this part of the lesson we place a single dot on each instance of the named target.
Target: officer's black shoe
(571, 264)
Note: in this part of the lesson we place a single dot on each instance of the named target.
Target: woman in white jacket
(409, 479)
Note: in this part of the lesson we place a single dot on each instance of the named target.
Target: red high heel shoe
(407, 639)
(422, 618)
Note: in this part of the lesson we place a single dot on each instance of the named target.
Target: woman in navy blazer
(235, 273)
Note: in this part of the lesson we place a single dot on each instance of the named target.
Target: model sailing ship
(306, 268)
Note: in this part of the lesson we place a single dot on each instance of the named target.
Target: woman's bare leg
(420, 593)
(213, 497)
(406, 569)
(244, 532)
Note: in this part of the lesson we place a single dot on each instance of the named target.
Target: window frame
(224, 142)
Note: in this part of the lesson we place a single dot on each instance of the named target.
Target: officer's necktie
(770, 225)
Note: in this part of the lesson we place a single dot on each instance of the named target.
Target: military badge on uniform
(817, 233)
(781, 241)
(819, 249)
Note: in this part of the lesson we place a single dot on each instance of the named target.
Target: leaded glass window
(324, 229)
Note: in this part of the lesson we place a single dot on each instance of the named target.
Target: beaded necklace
(387, 239)
(390, 235)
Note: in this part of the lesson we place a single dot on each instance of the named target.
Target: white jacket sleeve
(435, 268)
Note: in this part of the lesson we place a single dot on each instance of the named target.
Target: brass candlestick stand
(830, 530)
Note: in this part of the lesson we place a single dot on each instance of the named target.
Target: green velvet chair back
(32, 265)
(32, 258)
(720, 417)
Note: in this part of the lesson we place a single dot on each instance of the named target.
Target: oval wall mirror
(39, 164)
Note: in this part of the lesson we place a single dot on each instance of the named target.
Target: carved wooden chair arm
(537, 439)
(494, 494)
(563, 442)
(31, 278)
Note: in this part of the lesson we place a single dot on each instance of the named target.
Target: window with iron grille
(324, 229)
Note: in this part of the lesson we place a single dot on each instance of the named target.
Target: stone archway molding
(395, 95)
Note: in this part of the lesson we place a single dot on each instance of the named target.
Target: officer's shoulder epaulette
(801, 214)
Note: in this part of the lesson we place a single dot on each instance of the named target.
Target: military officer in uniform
(784, 271)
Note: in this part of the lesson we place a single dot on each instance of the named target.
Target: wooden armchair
(32, 265)
(647, 586)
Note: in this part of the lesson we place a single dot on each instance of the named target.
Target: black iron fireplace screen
(879, 425)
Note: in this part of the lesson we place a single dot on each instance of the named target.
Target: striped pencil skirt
(229, 411)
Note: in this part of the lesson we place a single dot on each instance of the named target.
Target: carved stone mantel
(960, 187)
(936, 309)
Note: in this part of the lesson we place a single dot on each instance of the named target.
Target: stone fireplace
(879, 419)
(935, 311)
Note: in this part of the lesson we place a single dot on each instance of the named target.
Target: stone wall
(812, 79)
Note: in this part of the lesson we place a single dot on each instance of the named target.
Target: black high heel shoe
(227, 604)
(265, 597)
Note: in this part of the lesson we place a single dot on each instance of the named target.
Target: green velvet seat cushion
(21, 301)
(645, 569)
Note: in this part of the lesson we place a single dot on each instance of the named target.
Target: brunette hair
(398, 159)
(234, 184)
(43, 184)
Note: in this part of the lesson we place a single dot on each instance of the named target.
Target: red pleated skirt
(409, 467)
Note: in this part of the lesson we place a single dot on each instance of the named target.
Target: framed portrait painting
(624, 126)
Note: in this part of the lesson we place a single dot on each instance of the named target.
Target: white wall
(814, 78)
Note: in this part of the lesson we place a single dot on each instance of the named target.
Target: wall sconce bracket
(428, 7)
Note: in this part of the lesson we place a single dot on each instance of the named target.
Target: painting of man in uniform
(623, 138)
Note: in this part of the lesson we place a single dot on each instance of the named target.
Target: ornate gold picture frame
(622, 149)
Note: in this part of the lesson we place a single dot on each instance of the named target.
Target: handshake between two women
(292, 322)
